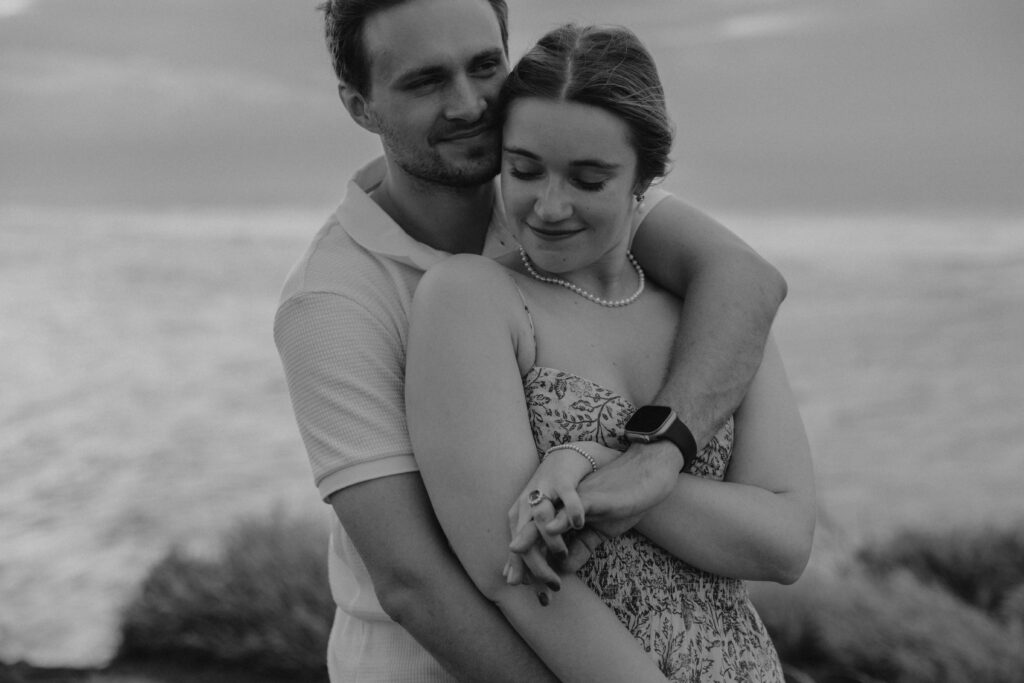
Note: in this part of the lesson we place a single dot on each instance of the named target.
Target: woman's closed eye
(589, 185)
(524, 173)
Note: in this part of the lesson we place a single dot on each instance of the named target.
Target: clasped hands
(579, 509)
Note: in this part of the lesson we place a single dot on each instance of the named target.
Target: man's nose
(466, 101)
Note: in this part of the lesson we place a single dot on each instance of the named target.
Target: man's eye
(487, 68)
(423, 83)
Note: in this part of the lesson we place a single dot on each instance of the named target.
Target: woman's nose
(553, 204)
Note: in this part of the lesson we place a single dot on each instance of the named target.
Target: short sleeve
(345, 372)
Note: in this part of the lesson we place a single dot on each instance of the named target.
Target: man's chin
(470, 172)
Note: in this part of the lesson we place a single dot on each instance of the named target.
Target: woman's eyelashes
(587, 185)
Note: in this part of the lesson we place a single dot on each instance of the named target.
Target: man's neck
(451, 219)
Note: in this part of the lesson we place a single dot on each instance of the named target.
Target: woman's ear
(356, 105)
(640, 187)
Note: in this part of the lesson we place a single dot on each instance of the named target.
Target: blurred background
(162, 165)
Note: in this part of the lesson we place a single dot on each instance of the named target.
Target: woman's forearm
(578, 636)
(735, 530)
(759, 522)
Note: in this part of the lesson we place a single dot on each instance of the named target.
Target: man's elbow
(404, 593)
(770, 281)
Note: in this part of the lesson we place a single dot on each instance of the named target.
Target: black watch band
(654, 423)
(679, 434)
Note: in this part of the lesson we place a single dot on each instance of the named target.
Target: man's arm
(332, 367)
(422, 586)
(731, 296)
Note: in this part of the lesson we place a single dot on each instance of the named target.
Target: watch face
(648, 419)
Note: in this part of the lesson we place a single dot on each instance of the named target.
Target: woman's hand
(535, 552)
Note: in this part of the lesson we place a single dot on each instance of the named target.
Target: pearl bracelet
(572, 447)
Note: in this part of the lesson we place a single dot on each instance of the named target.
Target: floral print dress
(697, 626)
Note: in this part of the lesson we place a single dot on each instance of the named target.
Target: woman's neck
(612, 277)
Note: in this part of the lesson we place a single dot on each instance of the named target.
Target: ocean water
(145, 407)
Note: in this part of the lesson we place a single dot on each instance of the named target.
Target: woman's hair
(343, 29)
(606, 67)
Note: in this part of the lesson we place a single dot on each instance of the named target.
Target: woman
(550, 353)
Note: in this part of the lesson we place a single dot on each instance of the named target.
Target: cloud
(740, 26)
(67, 74)
(10, 8)
(758, 25)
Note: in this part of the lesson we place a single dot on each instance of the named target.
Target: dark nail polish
(543, 597)
(554, 586)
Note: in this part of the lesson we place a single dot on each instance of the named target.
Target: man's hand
(619, 494)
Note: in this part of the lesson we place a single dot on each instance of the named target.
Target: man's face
(436, 67)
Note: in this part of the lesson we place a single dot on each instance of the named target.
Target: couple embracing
(545, 408)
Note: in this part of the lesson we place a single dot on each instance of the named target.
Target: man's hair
(343, 23)
(606, 67)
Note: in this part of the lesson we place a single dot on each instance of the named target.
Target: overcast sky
(829, 104)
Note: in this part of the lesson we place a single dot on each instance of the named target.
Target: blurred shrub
(923, 608)
(983, 567)
(263, 604)
(881, 616)
(891, 628)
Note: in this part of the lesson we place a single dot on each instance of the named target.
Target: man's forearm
(731, 296)
(467, 634)
(423, 587)
(730, 306)
(711, 370)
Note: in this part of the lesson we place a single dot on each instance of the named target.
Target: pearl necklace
(582, 292)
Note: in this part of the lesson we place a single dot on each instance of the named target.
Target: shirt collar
(373, 229)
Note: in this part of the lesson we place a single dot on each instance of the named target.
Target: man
(423, 75)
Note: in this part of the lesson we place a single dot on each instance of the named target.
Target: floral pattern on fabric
(698, 626)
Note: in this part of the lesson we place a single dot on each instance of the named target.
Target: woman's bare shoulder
(467, 279)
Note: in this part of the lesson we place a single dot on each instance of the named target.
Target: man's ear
(356, 106)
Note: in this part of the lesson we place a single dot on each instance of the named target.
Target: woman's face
(567, 176)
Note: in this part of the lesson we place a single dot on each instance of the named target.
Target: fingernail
(543, 598)
(554, 586)
(577, 523)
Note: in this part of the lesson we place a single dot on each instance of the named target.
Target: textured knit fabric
(341, 331)
(697, 626)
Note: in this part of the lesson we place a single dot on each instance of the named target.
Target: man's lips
(466, 134)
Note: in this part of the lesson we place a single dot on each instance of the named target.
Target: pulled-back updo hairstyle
(606, 67)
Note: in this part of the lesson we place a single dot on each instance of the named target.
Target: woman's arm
(759, 523)
(471, 435)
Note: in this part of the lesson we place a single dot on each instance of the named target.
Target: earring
(639, 197)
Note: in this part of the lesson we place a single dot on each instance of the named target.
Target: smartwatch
(655, 423)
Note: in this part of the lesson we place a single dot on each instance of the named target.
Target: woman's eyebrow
(520, 151)
(589, 163)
